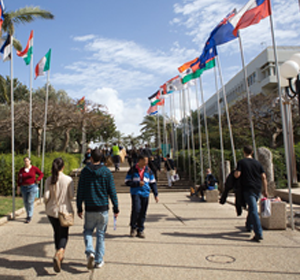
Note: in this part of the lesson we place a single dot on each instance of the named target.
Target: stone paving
(185, 239)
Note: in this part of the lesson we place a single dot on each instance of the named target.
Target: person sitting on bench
(209, 184)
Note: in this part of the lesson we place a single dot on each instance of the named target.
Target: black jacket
(233, 183)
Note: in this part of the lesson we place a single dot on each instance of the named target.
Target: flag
(152, 110)
(1, 13)
(43, 65)
(171, 85)
(6, 48)
(155, 98)
(252, 13)
(187, 65)
(26, 54)
(81, 104)
(223, 32)
(205, 62)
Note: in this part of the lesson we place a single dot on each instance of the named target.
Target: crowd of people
(96, 186)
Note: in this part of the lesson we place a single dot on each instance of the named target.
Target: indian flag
(43, 65)
(26, 54)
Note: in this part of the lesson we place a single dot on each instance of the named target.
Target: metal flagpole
(200, 135)
(45, 129)
(182, 128)
(205, 124)
(30, 106)
(175, 128)
(158, 130)
(12, 127)
(193, 138)
(220, 126)
(165, 129)
(172, 126)
(248, 96)
(227, 112)
(187, 131)
(284, 128)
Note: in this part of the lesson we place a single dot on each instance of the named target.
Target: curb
(18, 212)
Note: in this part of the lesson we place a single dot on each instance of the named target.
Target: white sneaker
(90, 261)
(99, 265)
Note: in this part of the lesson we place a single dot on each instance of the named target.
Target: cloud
(84, 38)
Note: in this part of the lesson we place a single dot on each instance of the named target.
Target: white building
(261, 78)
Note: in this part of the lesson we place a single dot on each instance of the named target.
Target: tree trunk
(66, 140)
(39, 133)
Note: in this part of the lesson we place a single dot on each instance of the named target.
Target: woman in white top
(59, 192)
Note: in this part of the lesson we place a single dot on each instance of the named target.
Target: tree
(22, 15)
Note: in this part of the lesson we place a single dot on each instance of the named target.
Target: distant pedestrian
(141, 180)
(170, 170)
(252, 177)
(87, 158)
(59, 192)
(153, 166)
(28, 185)
(147, 151)
(115, 150)
(134, 155)
(96, 185)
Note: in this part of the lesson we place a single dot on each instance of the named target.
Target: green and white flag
(43, 65)
(26, 54)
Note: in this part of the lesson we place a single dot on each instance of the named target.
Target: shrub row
(71, 161)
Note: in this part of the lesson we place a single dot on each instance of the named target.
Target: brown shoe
(57, 260)
(133, 232)
(141, 234)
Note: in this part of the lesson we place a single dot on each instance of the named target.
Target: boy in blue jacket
(141, 180)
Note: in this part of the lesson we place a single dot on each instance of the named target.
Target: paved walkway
(184, 240)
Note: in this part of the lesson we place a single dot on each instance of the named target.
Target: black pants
(61, 234)
(138, 212)
(201, 189)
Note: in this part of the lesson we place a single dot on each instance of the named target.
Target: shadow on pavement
(39, 267)
(8, 277)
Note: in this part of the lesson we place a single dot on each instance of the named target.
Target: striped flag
(1, 13)
(152, 110)
(26, 54)
(43, 65)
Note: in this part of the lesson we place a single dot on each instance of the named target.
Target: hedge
(71, 161)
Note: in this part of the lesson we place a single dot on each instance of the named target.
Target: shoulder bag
(66, 219)
(172, 171)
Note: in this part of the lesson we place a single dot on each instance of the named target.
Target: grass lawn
(6, 205)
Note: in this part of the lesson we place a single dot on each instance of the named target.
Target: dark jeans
(116, 160)
(139, 207)
(253, 221)
(201, 189)
(61, 234)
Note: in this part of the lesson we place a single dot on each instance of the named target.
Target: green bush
(71, 161)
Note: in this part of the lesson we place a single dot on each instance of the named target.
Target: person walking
(141, 180)
(96, 185)
(27, 184)
(170, 169)
(59, 192)
(116, 156)
(252, 177)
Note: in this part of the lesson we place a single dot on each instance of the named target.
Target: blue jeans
(138, 212)
(29, 194)
(253, 221)
(98, 221)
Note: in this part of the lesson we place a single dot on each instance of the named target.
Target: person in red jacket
(27, 182)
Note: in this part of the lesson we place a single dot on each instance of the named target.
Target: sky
(117, 53)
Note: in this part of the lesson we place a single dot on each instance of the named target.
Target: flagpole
(171, 123)
(158, 130)
(187, 130)
(165, 128)
(45, 129)
(12, 127)
(205, 123)
(284, 128)
(193, 139)
(175, 128)
(220, 126)
(200, 134)
(30, 105)
(182, 128)
(248, 96)
(227, 112)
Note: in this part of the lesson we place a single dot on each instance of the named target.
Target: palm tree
(22, 15)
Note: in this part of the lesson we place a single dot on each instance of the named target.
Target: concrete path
(184, 240)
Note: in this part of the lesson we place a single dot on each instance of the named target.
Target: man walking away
(170, 169)
(252, 177)
(116, 156)
(95, 185)
(140, 179)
